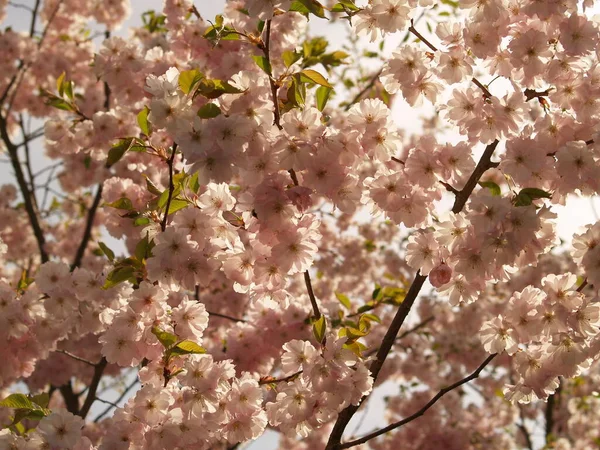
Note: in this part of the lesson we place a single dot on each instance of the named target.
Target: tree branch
(91, 395)
(484, 164)
(170, 161)
(27, 195)
(87, 233)
(420, 412)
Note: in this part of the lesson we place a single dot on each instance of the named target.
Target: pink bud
(300, 197)
(440, 275)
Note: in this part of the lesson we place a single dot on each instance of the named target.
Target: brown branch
(170, 161)
(274, 88)
(414, 31)
(91, 395)
(530, 94)
(484, 164)
(27, 195)
(87, 232)
(421, 411)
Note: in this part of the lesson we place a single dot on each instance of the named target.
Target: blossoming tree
(286, 246)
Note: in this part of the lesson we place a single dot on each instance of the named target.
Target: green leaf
(215, 88)
(334, 59)
(188, 348)
(41, 400)
(59, 103)
(122, 203)
(118, 275)
(527, 195)
(312, 6)
(263, 63)
(493, 187)
(165, 338)
(142, 120)
(59, 83)
(107, 251)
(188, 79)
(193, 183)
(177, 204)
(344, 5)
(68, 88)
(290, 57)
(209, 111)
(319, 328)
(17, 401)
(314, 77)
(117, 151)
(141, 221)
(143, 249)
(323, 94)
(371, 317)
(344, 300)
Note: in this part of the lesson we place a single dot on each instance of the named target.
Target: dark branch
(93, 387)
(170, 161)
(422, 411)
(87, 232)
(121, 397)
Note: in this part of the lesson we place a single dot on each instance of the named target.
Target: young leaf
(290, 57)
(107, 251)
(117, 151)
(165, 338)
(323, 94)
(122, 203)
(493, 187)
(188, 79)
(319, 328)
(314, 77)
(118, 275)
(344, 300)
(17, 401)
(188, 348)
(527, 195)
(59, 83)
(312, 6)
(209, 111)
(142, 120)
(263, 63)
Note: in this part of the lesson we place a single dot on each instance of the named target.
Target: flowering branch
(390, 336)
(269, 380)
(423, 410)
(87, 233)
(163, 225)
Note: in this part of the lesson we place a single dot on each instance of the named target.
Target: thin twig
(77, 358)
(421, 411)
(224, 316)
(121, 397)
(269, 380)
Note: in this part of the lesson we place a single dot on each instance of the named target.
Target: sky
(577, 212)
